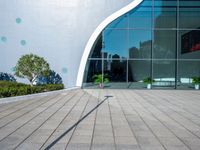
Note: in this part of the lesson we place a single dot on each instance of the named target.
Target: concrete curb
(28, 97)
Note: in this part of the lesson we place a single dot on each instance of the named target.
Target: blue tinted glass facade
(159, 39)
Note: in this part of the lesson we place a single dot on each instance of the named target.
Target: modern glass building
(158, 39)
(124, 40)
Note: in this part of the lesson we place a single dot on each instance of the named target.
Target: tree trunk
(31, 82)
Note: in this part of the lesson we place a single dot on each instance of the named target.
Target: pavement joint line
(46, 100)
(111, 120)
(94, 126)
(163, 124)
(62, 120)
(150, 103)
(31, 102)
(92, 140)
(81, 115)
(139, 115)
(182, 101)
(182, 107)
(195, 94)
(29, 98)
(192, 103)
(128, 122)
(48, 118)
(14, 105)
(179, 107)
(170, 112)
(32, 118)
(73, 126)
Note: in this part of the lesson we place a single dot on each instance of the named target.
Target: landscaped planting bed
(8, 89)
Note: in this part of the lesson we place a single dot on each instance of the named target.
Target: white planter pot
(100, 85)
(148, 86)
(196, 86)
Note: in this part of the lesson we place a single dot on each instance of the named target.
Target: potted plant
(196, 82)
(99, 79)
(149, 82)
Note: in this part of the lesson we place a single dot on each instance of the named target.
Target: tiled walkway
(130, 120)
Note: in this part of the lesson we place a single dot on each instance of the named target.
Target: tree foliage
(52, 78)
(7, 77)
(31, 66)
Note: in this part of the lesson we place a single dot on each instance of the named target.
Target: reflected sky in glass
(141, 16)
(115, 42)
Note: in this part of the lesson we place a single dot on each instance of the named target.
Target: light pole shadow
(76, 124)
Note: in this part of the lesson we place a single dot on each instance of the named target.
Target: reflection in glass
(93, 67)
(152, 40)
(165, 14)
(164, 44)
(96, 51)
(164, 73)
(189, 14)
(116, 70)
(141, 16)
(138, 71)
(189, 44)
(187, 70)
(121, 22)
(140, 44)
(115, 42)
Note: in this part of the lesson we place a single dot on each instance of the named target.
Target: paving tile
(103, 147)
(123, 140)
(81, 139)
(78, 146)
(103, 140)
(127, 147)
(131, 120)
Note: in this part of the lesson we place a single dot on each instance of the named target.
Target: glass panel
(189, 14)
(138, 70)
(187, 70)
(119, 23)
(93, 67)
(165, 14)
(96, 52)
(116, 71)
(189, 44)
(115, 43)
(164, 44)
(164, 73)
(141, 16)
(140, 44)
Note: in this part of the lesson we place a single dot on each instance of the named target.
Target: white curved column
(95, 35)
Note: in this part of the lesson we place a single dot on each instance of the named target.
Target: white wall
(54, 29)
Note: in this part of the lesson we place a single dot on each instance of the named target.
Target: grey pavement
(87, 120)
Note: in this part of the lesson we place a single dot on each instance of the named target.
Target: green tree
(31, 66)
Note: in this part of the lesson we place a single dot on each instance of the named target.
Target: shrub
(98, 78)
(52, 87)
(11, 84)
(8, 89)
(148, 80)
(196, 80)
(4, 92)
